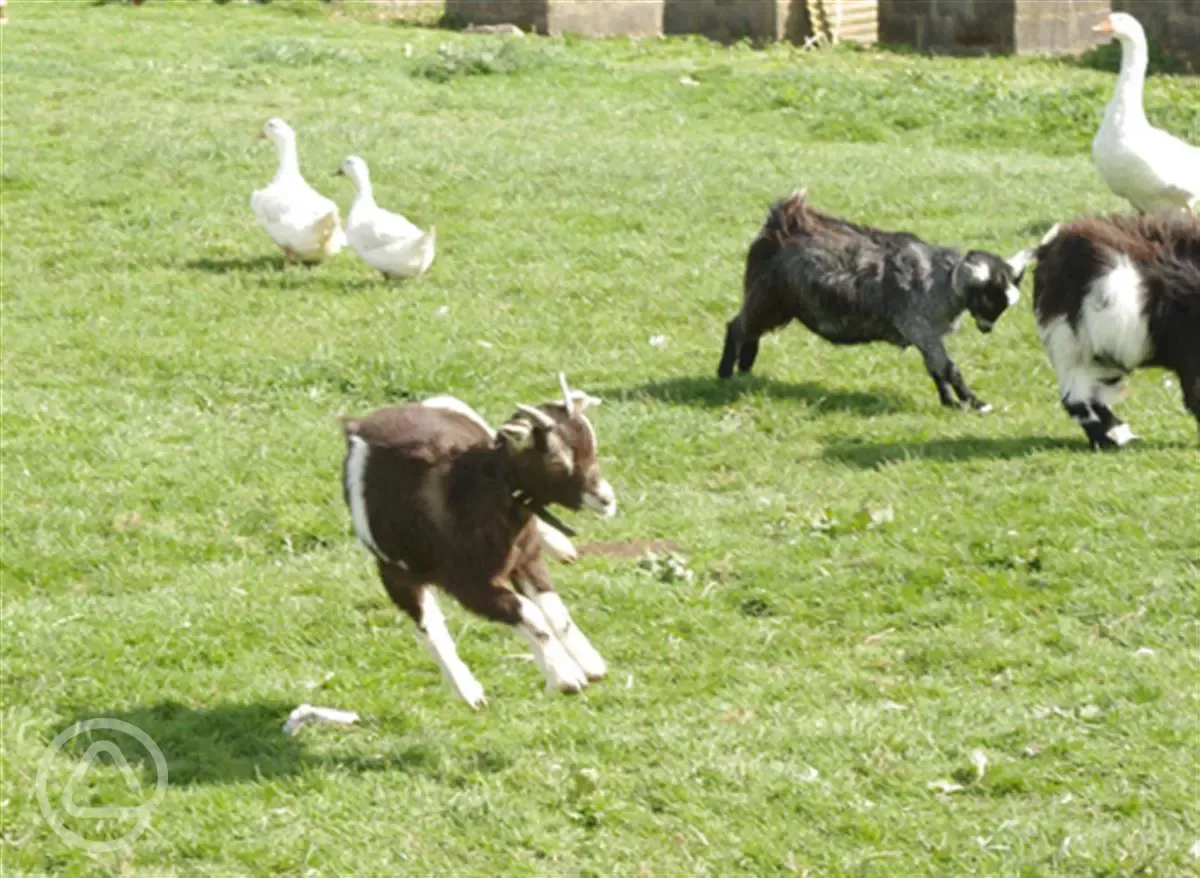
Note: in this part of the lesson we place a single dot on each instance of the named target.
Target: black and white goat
(853, 284)
(1114, 294)
(441, 500)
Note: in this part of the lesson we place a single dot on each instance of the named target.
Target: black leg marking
(1096, 419)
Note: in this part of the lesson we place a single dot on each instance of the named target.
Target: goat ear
(1020, 262)
(581, 401)
(517, 435)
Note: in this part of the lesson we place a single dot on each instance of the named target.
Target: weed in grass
(477, 58)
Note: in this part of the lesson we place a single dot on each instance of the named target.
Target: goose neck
(1127, 105)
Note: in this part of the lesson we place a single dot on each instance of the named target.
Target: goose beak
(260, 136)
(1104, 27)
(339, 173)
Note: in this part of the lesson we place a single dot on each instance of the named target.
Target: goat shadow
(238, 264)
(719, 392)
(228, 743)
(872, 455)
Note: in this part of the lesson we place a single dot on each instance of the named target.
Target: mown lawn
(176, 554)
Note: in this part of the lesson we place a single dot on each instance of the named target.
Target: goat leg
(748, 355)
(495, 601)
(533, 580)
(419, 602)
(732, 349)
(1103, 429)
(943, 389)
(964, 392)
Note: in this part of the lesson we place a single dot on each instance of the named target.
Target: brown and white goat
(440, 500)
(1112, 295)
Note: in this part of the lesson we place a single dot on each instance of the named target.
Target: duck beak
(1104, 27)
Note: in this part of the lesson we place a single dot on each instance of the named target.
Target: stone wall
(1173, 24)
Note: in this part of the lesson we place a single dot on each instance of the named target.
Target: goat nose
(602, 500)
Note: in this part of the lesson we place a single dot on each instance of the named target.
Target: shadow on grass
(869, 455)
(238, 264)
(228, 743)
(717, 392)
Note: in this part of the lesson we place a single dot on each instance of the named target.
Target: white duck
(388, 242)
(302, 221)
(1153, 170)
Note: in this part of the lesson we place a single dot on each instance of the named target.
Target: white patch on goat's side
(557, 666)
(568, 632)
(1112, 320)
(436, 638)
(1121, 434)
(1012, 294)
(456, 405)
(556, 542)
(1080, 378)
(356, 471)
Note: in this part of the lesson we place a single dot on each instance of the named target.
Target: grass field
(176, 554)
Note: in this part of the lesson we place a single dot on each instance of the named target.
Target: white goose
(302, 221)
(1153, 170)
(388, 242)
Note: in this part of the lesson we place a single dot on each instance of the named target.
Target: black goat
(853, 284)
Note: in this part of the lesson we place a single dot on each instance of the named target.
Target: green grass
(176, 553)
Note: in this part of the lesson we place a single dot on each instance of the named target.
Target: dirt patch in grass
(629, 548)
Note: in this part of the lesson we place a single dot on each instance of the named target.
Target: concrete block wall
(1000, 27)
(724, 20)
(1058, 27)
(592, 18)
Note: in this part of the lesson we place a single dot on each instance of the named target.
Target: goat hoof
(594, 668)
(569, 684)
(1122, 435)
(474, 697)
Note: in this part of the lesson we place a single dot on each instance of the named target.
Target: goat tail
(787, 217)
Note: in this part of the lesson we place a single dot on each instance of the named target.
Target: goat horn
(566, 391)
(1021, 261)
(539, 417)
